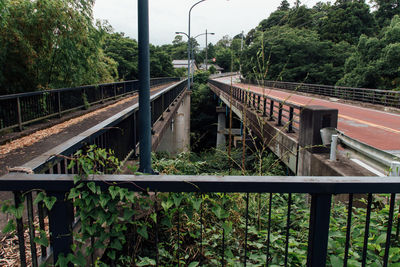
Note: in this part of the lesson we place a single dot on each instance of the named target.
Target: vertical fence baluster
(348, 227)
(280, 115)
(43, 249)
(20, 230)
(179, 238)
(290, 126)
(61, 217)
(19, 113)
(271, 110)
(318, 229)
(31, 227)
(366, 232)
(246, 231)
(265, 106)
(156, 229)
(288, 228)
(389, 229)
(398, 225)
(269, 228)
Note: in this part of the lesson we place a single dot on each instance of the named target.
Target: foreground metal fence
(387, 98)
(283, 112)
(319, 189)
(20, 109)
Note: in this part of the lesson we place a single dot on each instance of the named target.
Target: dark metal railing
(119, 133)
(18, 110)
(388, 98)
(319, 189)
(283, 112)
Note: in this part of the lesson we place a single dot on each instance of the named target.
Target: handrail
(284, 112)
(17, 110)
(115, 126)
(374, 96)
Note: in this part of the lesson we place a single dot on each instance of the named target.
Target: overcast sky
(224, 17)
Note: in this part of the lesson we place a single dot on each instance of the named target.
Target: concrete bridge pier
(176, 138)
(221, 140)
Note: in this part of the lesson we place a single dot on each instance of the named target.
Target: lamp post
(204, 33)
(189, 48)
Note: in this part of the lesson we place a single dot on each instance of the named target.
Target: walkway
(374, 127)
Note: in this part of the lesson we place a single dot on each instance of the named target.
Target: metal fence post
(61, 217)
(19, 114)
(59, 103)
(319, 229)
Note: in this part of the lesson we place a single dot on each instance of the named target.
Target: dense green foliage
(345, 43)
(55, 44)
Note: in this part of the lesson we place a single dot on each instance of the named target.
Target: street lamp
(190, 11)
(206, 33)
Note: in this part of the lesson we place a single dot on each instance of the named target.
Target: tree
(293, 54)
(385, 11)
(346, 21)
(51, 44)
(284, 6)
(376, 62)
(124, 51)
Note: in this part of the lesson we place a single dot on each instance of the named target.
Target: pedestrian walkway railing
(308, 233)
(18, 110)
(388, 98)
(283, 112)
(120, 133)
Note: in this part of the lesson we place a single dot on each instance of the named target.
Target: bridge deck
(377, 128)
(22, 150)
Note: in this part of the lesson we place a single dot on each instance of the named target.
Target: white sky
(224, 17)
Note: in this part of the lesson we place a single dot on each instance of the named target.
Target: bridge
(288, 124)
(278, 118)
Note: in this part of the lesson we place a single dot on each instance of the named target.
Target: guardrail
(283, 112)
(18, 110)
(389, 161)
(276, 191)
(224, 74)
(387, 98)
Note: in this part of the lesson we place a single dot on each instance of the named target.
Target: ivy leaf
(196, 203)
(193, 264)
(177, 199)
(128, 213)
(227, 226)
(167, 204)
(336, 261)
(219, 212)
(42, 239)
(92, 187)
(39, 198)
(116, 244)
(146, 262)
(154, 217)
(73, 193)
(381, 239)
(49, 202)
(113, 191)
(62, 261)
(9, 227)
(111, 254)
(143, 231)
(104, 200)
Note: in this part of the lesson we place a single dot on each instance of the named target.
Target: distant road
(377, 128)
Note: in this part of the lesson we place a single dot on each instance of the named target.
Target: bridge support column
(176, 138)
(221, 140)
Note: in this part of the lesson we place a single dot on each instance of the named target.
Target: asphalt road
(374, 127)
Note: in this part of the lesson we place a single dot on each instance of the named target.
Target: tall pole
(144, 88)
(206, 49)
(189, 43)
